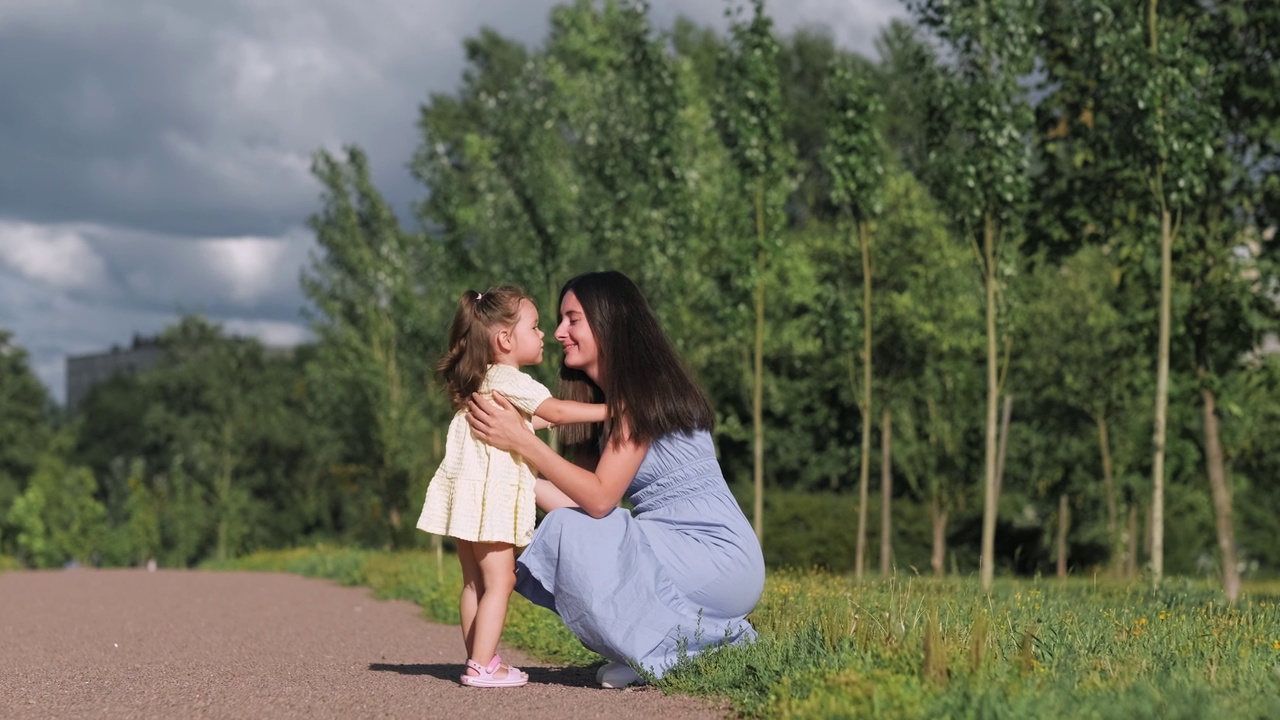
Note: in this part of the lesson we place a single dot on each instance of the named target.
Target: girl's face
(574, 333)
(527, 336)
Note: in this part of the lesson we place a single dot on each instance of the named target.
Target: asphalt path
(109, 644)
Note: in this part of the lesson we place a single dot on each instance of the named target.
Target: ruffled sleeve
(523, 391)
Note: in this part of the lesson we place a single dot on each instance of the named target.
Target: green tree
(929, 348)
(504, 194)
(57, 517)
(208, 406)
(186, 525)
(141, 528)
(979, 123)
(1231, 307)
(26, 428)
(751, 122)
(373, 289)
(852, 158)
(1167, 134)
(903, 84)
(1085, 360)
(1251, 400)
(619, 89)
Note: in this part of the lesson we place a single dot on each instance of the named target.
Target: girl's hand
(498, 423)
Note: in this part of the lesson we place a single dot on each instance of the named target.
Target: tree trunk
(1221, 497)
(1162, 397)
(383, 347)
(1146, 534)
(1064, 523)
(1162, 364)
(1109, 487)
(1131, 560)
(1006, 415)
(757, 391)
(939, 517)
(993, 401)
(864, 468)
(886, 491)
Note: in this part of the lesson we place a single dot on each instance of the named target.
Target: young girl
(480, 496)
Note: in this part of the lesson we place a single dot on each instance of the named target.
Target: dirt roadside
(187, 644)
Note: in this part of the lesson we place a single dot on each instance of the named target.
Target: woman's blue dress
(678, 574)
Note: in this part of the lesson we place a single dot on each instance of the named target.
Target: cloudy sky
(154, 154)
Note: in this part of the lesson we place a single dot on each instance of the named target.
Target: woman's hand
(597, 491)
(497, 423)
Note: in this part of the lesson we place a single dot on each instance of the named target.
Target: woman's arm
(549, 497)
(596, 492)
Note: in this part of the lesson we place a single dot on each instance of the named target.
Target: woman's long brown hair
(642, 375)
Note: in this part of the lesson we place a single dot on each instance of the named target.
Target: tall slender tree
(371, 284)
(980, 123)
(1166, 130)
(853, 159)
(751, 124)
(1231, 281)
(1088, 360)
(504, 198)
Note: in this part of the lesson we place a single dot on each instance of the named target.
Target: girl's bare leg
(497, 563)
(472, 587)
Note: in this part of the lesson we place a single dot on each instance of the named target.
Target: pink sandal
(515, 676)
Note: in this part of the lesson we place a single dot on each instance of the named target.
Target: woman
(680, 572)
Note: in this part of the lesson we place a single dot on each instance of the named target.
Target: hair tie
(478, 296)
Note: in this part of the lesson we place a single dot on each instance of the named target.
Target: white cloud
(115, 265)
(268, 332)
(52, 325)
(255, 268)
(56, 256)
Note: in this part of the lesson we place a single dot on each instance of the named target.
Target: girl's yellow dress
(480, 493)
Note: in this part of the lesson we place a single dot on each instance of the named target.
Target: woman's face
(574, 333)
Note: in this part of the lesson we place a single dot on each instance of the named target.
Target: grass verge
(916, 648)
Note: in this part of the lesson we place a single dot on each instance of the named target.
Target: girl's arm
(596, 491)
(555, 411)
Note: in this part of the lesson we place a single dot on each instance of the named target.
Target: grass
(908, 648)
(8, 563)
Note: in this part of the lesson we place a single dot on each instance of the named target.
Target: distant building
(85, 371)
